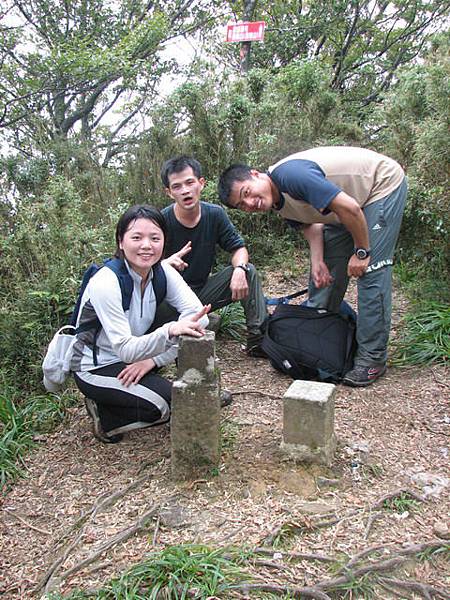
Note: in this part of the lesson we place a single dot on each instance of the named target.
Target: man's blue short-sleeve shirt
(304, 180)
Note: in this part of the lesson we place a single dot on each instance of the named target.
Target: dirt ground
(392, 435)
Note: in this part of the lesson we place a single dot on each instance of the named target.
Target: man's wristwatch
(243, 266)
(362, 253)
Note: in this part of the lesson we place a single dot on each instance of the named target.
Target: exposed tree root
(259, 392)
(24, 522)
(119, 538)
(50, 579)
(348, 578)
(282, 590)
(270, 564)
(362, 565)
(295, 555)
(356, 558)
(397, 494)
(439, 381)
(396, 559)
(349, 575)
(104, 501)
(370, 521)
(309, 526)
(426, 591)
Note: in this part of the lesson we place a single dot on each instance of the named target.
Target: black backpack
(310, 343)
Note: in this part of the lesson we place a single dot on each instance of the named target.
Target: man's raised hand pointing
(176, 260)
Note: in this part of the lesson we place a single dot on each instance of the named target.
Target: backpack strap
(126, 287)
(285, 299)
(159, 282)
(118, 266)
(90, 272)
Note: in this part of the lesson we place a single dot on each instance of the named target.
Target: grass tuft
(426, 337)
(358, 587)
(285, 537)
(178, 572)
(20, 420)
(232, 321)
(16, 438)
(402, 503)
(435, 553)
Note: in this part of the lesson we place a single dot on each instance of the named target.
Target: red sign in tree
(249, 31)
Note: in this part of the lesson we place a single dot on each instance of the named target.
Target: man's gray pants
(383, 218)
(216, 292)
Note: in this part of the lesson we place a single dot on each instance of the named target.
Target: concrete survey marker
(308, 422)
(195, 421)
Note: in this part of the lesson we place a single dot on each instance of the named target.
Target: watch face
(361, 253)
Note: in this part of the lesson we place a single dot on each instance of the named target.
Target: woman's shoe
(97, 428)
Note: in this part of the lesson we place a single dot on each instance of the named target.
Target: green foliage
(49, 235)
(426, 335)
(232, 321)
(402, 503)
(19, 422)
(229, 433)
(174, 573)
(433, 553)
(256, 120)
(362, 587)
(414, 120)
(362, 43)
(26, 175)
(285, 536)
(67, 65)
(16, 439)
(44, 251)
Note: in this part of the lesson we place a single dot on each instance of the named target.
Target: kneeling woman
(113, 365)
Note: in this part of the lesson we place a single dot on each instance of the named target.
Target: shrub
(44, 252)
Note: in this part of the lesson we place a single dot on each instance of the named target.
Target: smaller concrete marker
(195, 421)
(308, 422)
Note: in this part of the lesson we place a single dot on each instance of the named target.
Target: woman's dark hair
(139, 211)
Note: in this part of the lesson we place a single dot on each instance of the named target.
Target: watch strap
(362, 253)
(242, 266)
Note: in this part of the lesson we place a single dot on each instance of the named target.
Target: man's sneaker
(214, 322)
(362, 376)
(226, 398)
(97, 428)
(253, 347)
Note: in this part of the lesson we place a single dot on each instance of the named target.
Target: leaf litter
(82, 499)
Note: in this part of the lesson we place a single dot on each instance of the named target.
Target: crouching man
(196, 228)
